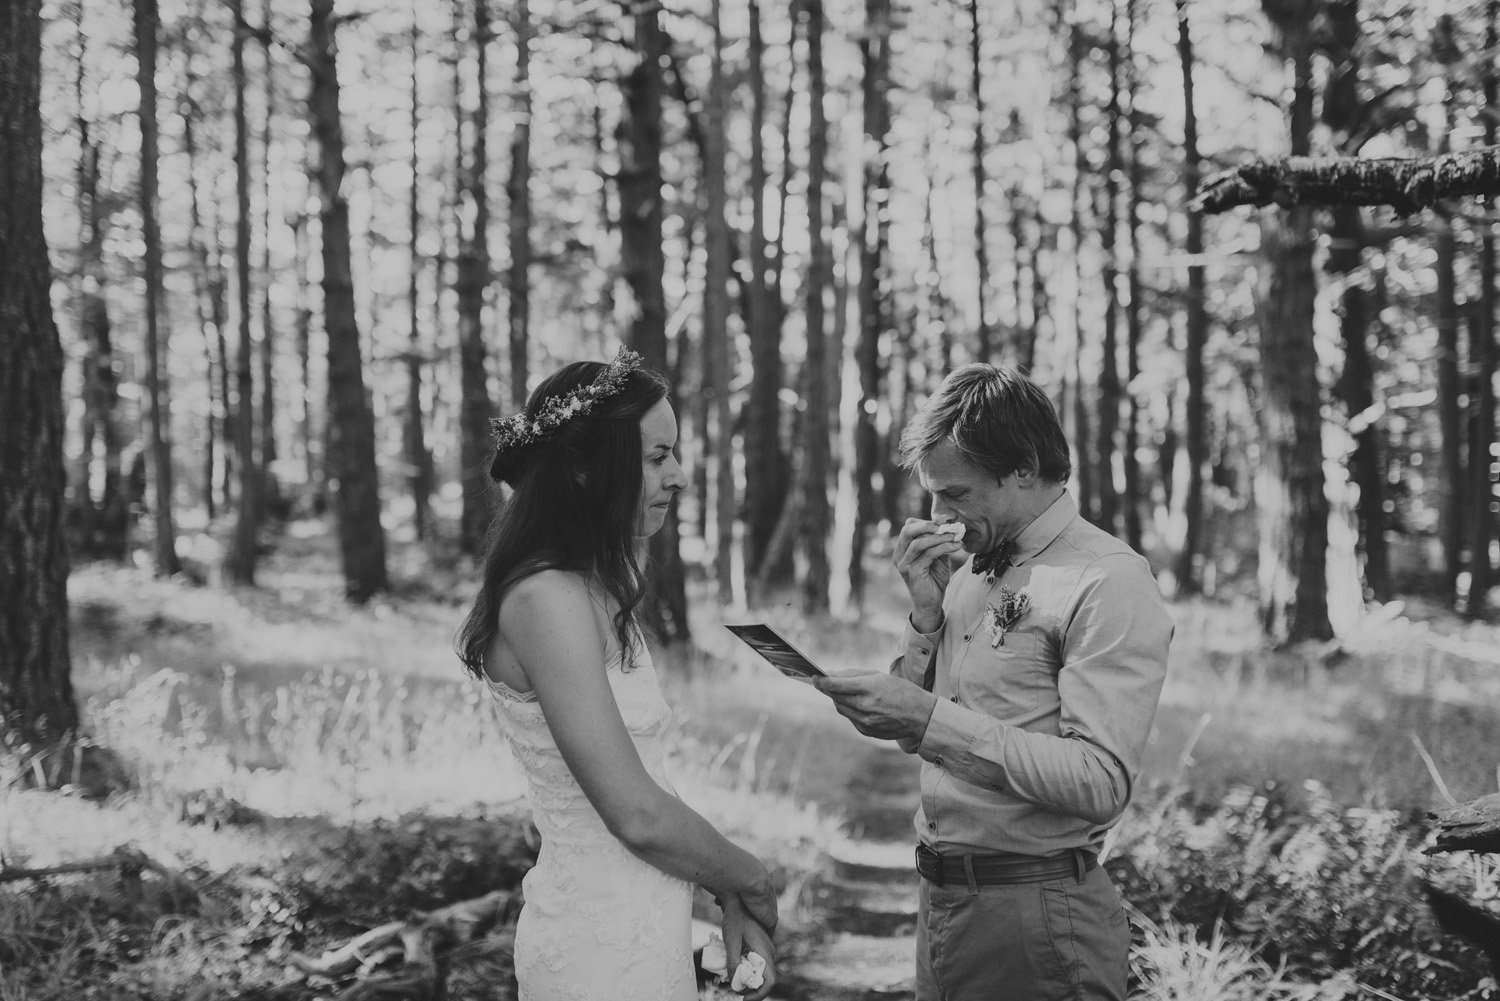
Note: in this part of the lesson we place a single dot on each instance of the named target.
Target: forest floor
(306, 771)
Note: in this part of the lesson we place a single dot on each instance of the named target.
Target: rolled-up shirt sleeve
(1113, 638)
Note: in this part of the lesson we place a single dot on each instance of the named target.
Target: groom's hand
(881, 705)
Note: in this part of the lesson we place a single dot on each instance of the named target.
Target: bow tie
(994, 562)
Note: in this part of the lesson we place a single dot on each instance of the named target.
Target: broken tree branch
(1406, 185)
(1468, 827)
(455, 923)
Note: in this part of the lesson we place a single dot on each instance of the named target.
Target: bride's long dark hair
(573, 505)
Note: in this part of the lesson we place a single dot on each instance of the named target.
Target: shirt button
(932, 825)
(953, 698)
(967, 636)
(938, 761)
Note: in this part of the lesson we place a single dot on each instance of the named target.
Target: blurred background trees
(806, 214)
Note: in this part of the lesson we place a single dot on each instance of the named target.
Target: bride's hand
(744, 934)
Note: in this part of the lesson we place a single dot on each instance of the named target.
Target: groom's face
(989, 510)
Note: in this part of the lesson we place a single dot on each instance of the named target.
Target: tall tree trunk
(1450, 418)
(644, 266)
(307, 431)
(1291, 507)
(165, 546)
(351, 423)
(37, 708)
(874, 308)
(206, 302)
(473, 279)
(1085, 465)
(985, 347)
(765, 460)
(817, 437)
(1134, 314)
(243, 551)
(100, 526)
(1356, 384)
(414, 436)
(518, 195)
(718, 352)
(1109, 372)
(1482, 357)
(270, 490)
(1190, 558)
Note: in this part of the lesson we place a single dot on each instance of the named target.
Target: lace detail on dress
(599, 924)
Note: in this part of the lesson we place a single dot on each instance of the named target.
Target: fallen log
(1468, 827)
(128, 860)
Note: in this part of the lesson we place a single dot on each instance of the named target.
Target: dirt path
(865, 899)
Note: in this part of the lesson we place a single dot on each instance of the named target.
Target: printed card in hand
(774, 647)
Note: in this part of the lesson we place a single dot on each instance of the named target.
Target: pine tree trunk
(644, 267)
(1291, 506)
(204, 301)
(718, 352)
(37, 707)
(1109, 372)
(100, 527)
(307, 432)
(413, 435)
(351, 424)
(765, 460)
(985, 351)
(240, 564)
(817, 436)
(1482, 356)
(1450, 418)
(1084, 464)
(874, 307)
(473, 278)
(518, 196)
(165, 546)
(1190, 558)
(1134, 313)
(270, 490)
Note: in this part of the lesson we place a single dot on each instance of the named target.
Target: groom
(1027, 683)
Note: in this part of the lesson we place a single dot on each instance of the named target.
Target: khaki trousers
(1059, 940)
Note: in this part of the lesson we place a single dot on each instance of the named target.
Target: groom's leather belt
(1000, 869)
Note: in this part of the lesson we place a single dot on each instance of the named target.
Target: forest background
(294, 258)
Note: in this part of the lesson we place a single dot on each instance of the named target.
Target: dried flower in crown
(519, 430)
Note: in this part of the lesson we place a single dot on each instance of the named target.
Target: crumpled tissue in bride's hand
(749, 975)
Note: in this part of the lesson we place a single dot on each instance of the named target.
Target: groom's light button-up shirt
(1036, 739)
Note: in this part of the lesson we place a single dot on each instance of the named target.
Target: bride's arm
(549, 623)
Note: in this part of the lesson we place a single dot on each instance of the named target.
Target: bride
(554, 634)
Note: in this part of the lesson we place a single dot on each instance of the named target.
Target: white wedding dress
(598, 924)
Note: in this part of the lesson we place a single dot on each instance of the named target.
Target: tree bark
(1406, 185)
(518, 197)
(718, 351)
(1083, 440)
(1291, 507)
(165, 545)
(817, 437)
(874, 306)
(270, 491)
(765, 459)
(1134, 314)
(472, 279)
(240, 564)
(351, 424)
(1109, 371)
(984, 335)
(644, 266)
(413, 430)
(37, 708)
(1482, 354)
(99, 527)
(1356, 384)
(1189, 559)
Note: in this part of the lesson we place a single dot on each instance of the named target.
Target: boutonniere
(1004, 612)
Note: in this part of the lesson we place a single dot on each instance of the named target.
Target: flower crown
(518, 430)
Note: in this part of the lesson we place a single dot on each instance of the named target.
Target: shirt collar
(1044, 528)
